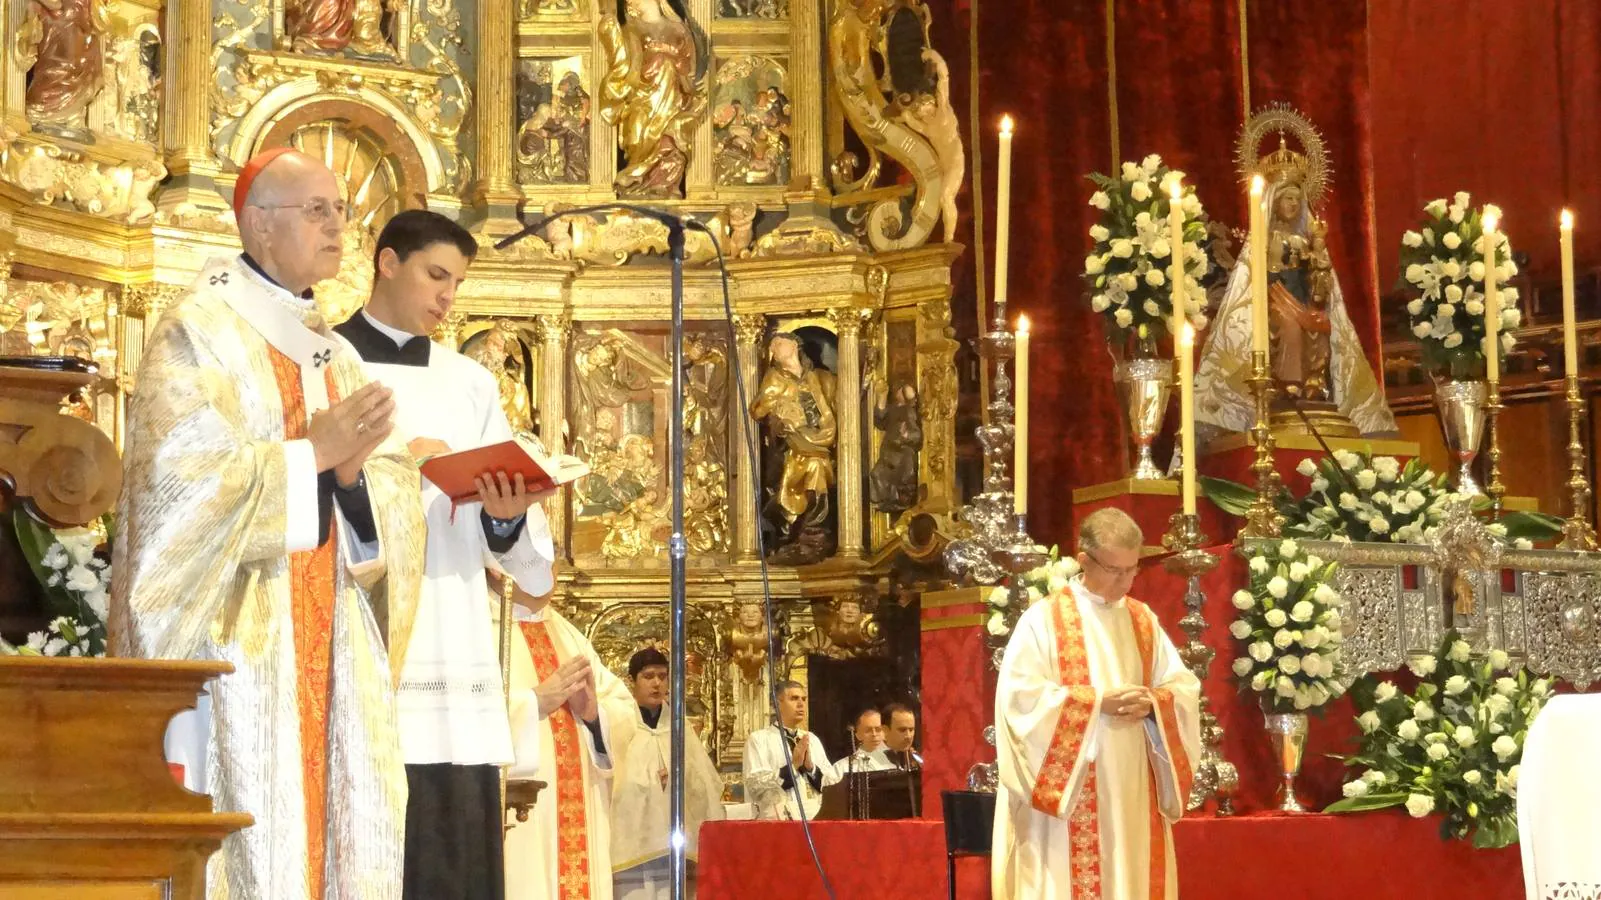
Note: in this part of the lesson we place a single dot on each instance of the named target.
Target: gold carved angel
(652, 94)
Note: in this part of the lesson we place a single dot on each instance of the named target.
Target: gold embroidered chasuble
(1086, 802)
(213, 560)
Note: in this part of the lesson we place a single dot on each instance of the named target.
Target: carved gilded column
(553, 332)
(848, 419)
(449, 331)
(748, 331)
(186, 114)
(701, 179)
(805, 92)
(497, 90)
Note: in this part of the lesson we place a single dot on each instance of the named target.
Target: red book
(454, 473)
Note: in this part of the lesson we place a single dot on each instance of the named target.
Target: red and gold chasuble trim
(1072, 666)
(1167, 721)
(572, 820)
(312, 593)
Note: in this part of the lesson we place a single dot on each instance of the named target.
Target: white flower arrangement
(1131, 263)
(1454, 746)
(77, 582)
(1362, 497)
(1289, 629)
(1037, 584)
(1444, 261)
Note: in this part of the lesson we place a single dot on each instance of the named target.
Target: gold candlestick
(1577, 534)
(1262, 520)
(1495, 488)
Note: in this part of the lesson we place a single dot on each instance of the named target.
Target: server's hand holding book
(456, 473)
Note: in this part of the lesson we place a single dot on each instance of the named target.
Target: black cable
(754, 461)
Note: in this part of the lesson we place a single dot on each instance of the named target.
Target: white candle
(1186, 342)
(1020, 429)
(1003, 212)
(1175, 238)
(1492, 303)
(1570, 328)
(1258, 262)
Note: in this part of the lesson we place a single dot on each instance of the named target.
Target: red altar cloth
(1374, 856)
(1245, 744)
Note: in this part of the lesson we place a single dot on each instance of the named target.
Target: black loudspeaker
(969, 828)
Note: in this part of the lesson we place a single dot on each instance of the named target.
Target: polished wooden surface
(88, 806)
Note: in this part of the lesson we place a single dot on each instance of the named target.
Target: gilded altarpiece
(827, 189)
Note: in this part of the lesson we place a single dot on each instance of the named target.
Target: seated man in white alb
(869, 755)
(771, 784)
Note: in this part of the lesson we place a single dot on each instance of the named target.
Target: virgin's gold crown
(1284, 165)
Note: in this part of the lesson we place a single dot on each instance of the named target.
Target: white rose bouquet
(1037, 584)
(1129, 267)
(1452, 747)
(1288, 629)
(1444, 261)
(75, 571)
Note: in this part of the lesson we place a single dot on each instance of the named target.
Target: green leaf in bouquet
(1230, 496)
(1366, 803)
(1532, 526)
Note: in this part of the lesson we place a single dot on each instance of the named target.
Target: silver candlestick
(1214, 776)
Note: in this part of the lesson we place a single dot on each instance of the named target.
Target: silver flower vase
(1287, 731)
(1145, 384)
(1462, 418)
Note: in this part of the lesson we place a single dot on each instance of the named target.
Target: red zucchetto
(247, 175)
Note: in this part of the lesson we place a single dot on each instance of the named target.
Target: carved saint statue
(746, 647)
(892, 484)
(796, 401)
(68, 59)
(493, 354)
(1316, 356)
(652, 94)
(334, 25)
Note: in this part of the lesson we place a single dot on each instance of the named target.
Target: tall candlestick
(1175, 239)
(1492, 303)
(1003, 217)
(1259, 320)
(1186, 342)
(1570, 328)
(1020, 428)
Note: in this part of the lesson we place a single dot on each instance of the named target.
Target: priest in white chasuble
(567, 709)
(771, 781)
(269, 519)
(641, 811)
(1097, 735)
(454, 731)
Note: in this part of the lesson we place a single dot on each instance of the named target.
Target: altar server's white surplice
(1559, 799)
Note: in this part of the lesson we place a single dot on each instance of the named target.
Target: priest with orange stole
(270, 519)
(567, 714)
(1097, 735)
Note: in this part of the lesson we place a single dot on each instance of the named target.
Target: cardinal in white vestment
(1097, 734)
(268, 519)
(454, 731)
(566, 707)
(642, 788)
(770, 778)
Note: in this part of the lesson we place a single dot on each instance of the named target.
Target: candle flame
(1006, 126)
(1187, 336)
(1258, 186)
(1022, 324)
(1175, 190)
(1567, 220)
(1491, 220)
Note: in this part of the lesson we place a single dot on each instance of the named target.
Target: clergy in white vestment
(566, 709)
(1559, 797)
(871, 753)
(454, 731)
(900, 737)
(642, 788)
(1097, 734)
(269, 519)
(770, 779)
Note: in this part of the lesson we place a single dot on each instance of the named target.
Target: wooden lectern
(88, 806)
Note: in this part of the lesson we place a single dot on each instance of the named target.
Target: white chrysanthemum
(1275, 618)
(1094, 264)
(1415, 273)
(1385, 692)
(1419, 805)
(1284, 687)
(1504, 747)
(1453, 340)
(1451, 240)
(1277, 587)
(1473, 777)
(1367, 479)
(1141, 191)
(1122, 248)
(1422, 711)
(1379, 524)
(1099, 233)
(1306, 467)
(1155, 278)
(1133, 172)
(1303, 611)
(1476, 270)
(1299, 571)
(1445, 310)
(1123, 318)
(1262, 680)
(1369, 722)
(1259, 565)
(1347, 501)
(1465, 736)
(1282, 639)
(1451, 268)
(1499, 660)
(1243, 666)
(1414, 306)
(1240, 629)
(1314, 638)
(1099, 303)
(1455, 685)
(1261, 651)
(1347, 460)
(1100, 200)
(1408, 730)
(1150, 306)
(1243, 600)
(1437, 752)
(1460, 652)
(1354, 789)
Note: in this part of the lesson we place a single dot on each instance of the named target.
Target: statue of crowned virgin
(1316, 357)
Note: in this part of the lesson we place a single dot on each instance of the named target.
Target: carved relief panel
(751, 116)
(553, 114)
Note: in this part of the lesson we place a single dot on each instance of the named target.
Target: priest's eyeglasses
(1114, 571)
(315, 211)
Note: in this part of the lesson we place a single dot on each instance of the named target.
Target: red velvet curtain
(1492, 98)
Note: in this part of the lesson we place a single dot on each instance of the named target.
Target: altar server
(641, 796)
(1559, 799)
(269, 520)
(1097, 734)
(454, 731)
(770, 782)
(572, 707)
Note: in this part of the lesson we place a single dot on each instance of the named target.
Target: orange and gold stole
(572, 820)
(1083, 824)
(312, 594)
(1167, 720)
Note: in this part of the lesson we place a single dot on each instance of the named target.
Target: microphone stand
(677, 547)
